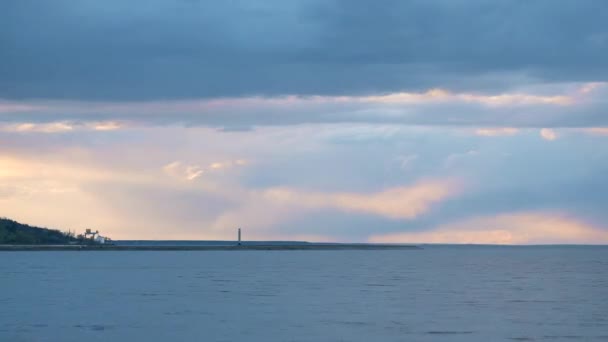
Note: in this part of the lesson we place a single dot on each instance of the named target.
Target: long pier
(242, 247)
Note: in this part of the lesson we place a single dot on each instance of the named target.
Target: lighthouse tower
(239, 237)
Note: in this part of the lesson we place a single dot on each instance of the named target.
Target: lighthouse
(239, 237)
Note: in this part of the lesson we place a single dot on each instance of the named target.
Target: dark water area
(438, 293)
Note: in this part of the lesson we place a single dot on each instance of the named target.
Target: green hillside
(12, 232)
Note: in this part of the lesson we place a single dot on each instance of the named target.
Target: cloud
(341, 181)
(59, 127)
(548, 134)
(560, 105)
(517, 228)
(496, 132)
(591, 87)
(227, 164)
(442, 95)
(192, 49)
(20, 168)
(42, 188)
(106, 126)
(597, 130)
(179, 170)
(395, 203)
(264, 211)
(54, 127)
(108, 196)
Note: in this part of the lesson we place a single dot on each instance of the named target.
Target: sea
(436, 293)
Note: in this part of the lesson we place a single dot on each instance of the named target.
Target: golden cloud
(496, 132)
(518, 228)
(396, 203)
(548, 134)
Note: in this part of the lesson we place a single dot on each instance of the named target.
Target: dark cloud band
(161, 49)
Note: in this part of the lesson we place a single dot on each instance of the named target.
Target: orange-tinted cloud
(396, 203)
(596, 130)
(548, 134)
(264, 210)
(590, 87)
(60, 127)
(496, 132)
(518, 228)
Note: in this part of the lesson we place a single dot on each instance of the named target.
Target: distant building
(94, 236)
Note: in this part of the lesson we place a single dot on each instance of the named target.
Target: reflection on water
(439, 293)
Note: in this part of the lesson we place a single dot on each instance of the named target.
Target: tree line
(15, 233)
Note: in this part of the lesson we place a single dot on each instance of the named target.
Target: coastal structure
(90, 234)
(239, 237)
(94, 236)
(227, 247)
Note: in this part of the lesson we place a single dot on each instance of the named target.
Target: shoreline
(244, 247)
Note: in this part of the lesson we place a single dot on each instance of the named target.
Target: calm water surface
(439, 293)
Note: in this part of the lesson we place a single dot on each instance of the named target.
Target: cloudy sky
(322, 120)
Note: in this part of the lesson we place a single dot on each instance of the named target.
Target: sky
(439, 121)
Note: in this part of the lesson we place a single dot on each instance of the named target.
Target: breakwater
(243, 247)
